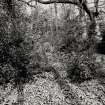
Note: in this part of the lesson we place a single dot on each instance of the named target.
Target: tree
(15, 47)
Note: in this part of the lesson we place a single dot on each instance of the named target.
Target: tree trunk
(91, 36)
(83, 23)
(56, 19)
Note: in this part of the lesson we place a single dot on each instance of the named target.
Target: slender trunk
(56, 20)
(51, 22)
(83, 23)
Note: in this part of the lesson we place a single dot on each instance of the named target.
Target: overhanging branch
(80, 3)
(76, 2)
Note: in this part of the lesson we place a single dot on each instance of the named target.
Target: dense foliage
(15, 48)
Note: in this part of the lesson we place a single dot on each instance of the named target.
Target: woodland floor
(45, 91)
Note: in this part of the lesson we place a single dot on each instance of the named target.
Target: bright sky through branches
(90, 4)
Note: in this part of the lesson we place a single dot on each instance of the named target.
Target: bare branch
(76, 2)
(80, 3)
